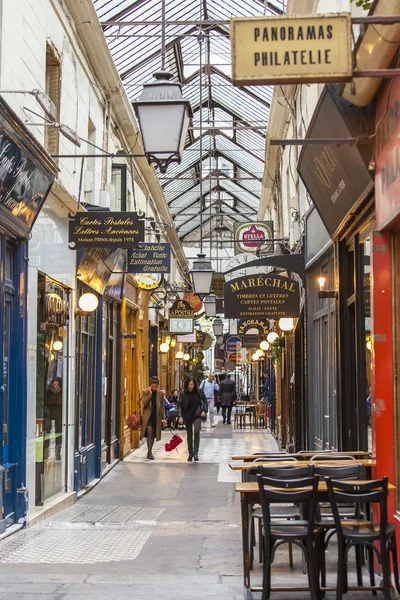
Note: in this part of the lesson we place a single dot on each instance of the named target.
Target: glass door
(6, 394)
(53, 314)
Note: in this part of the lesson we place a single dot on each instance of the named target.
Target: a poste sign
(291, 49)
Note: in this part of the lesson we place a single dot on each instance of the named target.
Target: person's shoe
(150, 456)
(196, 458)
(223, 422)
(190, 458)
(213, 425)
(228, 422)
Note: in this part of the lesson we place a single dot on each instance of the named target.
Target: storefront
(26, 175)
(340, 184)
(321, 335)
(97, 366)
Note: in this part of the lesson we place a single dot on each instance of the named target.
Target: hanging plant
(365, 4)
(276, 353)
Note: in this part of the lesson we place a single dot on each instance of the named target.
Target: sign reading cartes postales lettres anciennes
(150, 258)
(291, 49)
(103, 229)
(261, 296)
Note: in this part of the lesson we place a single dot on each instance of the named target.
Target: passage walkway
(160, 529)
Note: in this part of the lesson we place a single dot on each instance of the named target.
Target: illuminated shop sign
(261, 296)
(104, 229)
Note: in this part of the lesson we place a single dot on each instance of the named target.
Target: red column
(383, 413)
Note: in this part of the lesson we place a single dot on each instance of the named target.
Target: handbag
(173, 412)
(173, 443)
(134, 421)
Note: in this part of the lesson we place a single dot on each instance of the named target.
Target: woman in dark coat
(192, 407)
(153, 415)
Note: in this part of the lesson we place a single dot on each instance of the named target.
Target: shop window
(85, 381)
(9, 264)
(118, 180)
(53, 90)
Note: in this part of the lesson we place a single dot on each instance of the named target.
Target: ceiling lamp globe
(186, 357)
(57, 346)
(272, 337)
(264, 345)
(255, 356)
(259, 352)
(286, 324)
(164, 347)
(179, 355)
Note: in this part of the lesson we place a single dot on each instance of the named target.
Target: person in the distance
(192, 408)
(153, 414)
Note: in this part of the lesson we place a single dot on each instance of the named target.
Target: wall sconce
(369, 345)
(57, 346)
(168, 340)
(87, 303)
(186, 357)
(164, 348)
(325, 293)
(179, 355)
(255, 356)
(173, 343)
(264, 345)
(259, 353)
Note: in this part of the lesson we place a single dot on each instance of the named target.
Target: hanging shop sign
(248, 236)
(336, 177)
(181, 317)
(150, 258)
(219, 306)
(251, 340)
(291, 49)
(148, 281)
(262, 296)
(104, 229)
(387, 154)
(26, 173)
(232, 343)
(233, 357)
(194, 301)
(262, 325)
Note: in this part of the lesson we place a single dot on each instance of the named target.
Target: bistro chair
(303, 533)
(358, 532)
(284, 512)
(332, 456)
(243, 411)
(325, 517)
(260, 414)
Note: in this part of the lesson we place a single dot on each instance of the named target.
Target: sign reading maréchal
(150, 258)
(261, 296)
(291, 49)
(103, 229)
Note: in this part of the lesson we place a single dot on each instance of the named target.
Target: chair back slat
(351, 472)
(332, 456)
(286, 472)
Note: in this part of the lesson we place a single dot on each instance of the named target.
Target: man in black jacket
(227, 391)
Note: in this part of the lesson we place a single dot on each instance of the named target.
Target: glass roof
(225, 170)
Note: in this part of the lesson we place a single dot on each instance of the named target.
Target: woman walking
(153, 414)
(192, 407)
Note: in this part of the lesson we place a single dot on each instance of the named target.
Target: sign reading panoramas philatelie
(261, 296)
(291, 49)
(104, 229)
(248, 237)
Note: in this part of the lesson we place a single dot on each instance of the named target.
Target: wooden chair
(243, 412)
(260, 412)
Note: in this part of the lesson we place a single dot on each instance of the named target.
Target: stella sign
(261, 296)
(248, 236)
(291, 49)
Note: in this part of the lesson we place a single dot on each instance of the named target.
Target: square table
(249, 495)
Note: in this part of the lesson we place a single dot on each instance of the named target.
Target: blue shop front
(26, 176)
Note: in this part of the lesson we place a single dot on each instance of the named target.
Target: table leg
(245, 543)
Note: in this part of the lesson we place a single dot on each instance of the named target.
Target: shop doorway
(51, 388)
(110, 387)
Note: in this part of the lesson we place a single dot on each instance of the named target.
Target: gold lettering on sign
(325, 165)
